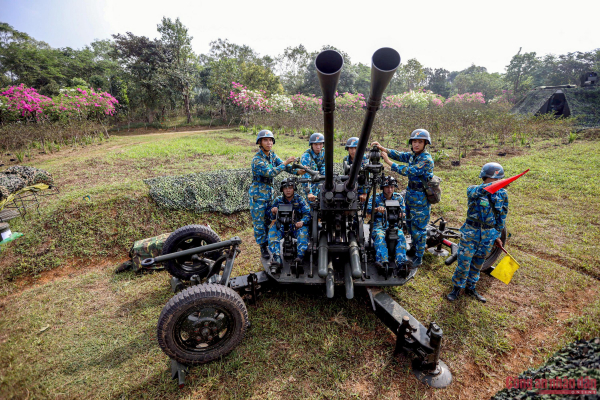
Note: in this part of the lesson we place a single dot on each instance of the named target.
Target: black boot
(275, 264)
(403, 268)
(264, 251)
(453, 295)
(473, 292)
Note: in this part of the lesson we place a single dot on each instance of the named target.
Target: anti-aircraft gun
(208, 319)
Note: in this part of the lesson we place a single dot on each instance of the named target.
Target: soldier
(380, 225)
(301, 222)
(419, 170)
(265, 166)
(314, 158)
(351, 145)
(486, 217)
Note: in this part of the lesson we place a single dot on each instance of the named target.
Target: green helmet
(352, 142)
(316, 138)
(287, 182)
(388, 181)
(492, 170)
(420, 134)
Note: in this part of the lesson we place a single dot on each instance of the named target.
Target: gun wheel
(188, 237)
(494, 254)
(202, 323)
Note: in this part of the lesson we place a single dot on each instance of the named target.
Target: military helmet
(265, 134)
(287, 182)
(316, 138)
(352, 142)
(492, 170)
(420, 134)
(388, 181)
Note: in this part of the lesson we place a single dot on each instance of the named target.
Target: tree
(347, 77)
(437, 81)
(257, 77)
(183, 69)
(413, 74)
(292, 66)
(222, 73)
(519, 73)
(146, 61)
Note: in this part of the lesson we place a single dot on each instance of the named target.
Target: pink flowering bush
(306, 103)
(22, 103)
(349, 101)
(507, 96)
(249, 100)
(466, 98)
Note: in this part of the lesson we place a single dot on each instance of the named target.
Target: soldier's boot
(264, 251)
(403, 268)
(275, 264)
(473, 292)
(298, 262)
(417, 262)
(379, 266)
(453, 295)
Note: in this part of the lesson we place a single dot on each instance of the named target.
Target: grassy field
(70, 328)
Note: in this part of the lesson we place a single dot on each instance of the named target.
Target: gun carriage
(208, 319)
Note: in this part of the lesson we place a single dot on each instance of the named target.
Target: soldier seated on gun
(351, 145)
(380, 225)
(300, 224)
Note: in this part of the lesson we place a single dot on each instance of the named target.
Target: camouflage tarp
(582, 102)
(224, 191)
(10, 183)
(147, 248)
(31, 175)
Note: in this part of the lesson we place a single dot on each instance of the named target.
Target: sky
(439, 34)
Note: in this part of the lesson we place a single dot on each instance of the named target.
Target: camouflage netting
(17, 177)
(224, 191)
(580, 359)
(583, 102)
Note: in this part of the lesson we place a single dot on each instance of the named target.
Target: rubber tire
(193, 297)
(494, 254)
(173, 242)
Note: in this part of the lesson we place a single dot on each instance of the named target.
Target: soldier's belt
(416, 186)
(476, 224)
(263, 179)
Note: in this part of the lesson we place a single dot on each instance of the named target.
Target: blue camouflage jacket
(315, 162)
(268, 166)
(419, 168)
(480, 207)
(301, 208)
(380, 202)
(365, 161)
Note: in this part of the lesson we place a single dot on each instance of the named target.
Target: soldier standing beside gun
(419, 170)
(314, 158)
(351, 145)
(300, 225)
(380, 225)
(265, 166)
(486, 217)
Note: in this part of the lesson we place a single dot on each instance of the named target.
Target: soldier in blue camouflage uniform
(301, 223)
(351, 145)
(380, 225)
(486, 218)
(419, 170)
(314, 158)
(265, 166)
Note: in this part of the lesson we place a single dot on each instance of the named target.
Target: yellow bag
(505, 269)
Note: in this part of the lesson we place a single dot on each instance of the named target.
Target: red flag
(494, 187)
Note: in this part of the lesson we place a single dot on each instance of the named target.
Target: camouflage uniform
(316, 162)
(361, 188)
(301, 213)
(418, 171)
(379, 228)
(482, 228)
(264, 168)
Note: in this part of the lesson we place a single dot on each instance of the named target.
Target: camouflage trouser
(276, 234)
(417, 217)
(474, 246)
(381, 248)
(260, 201)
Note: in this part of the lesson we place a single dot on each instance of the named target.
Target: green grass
(91, 334)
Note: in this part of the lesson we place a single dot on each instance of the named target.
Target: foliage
(416, 99)
(249, 100)
(466, 98)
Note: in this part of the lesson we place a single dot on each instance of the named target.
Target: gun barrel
(385, 62)
(329, 65)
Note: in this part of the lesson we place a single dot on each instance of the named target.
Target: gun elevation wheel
(188, 237)
(202, 323)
